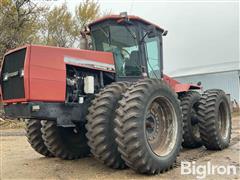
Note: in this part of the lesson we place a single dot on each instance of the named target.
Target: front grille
(13, 87)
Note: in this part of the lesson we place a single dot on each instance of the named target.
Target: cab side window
(152, 47)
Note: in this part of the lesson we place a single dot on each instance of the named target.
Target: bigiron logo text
(203, 170)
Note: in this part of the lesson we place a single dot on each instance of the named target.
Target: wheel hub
(152, 126)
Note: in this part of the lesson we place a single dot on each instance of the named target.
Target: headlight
(5, 77)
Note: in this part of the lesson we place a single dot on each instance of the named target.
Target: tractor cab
(135, 43)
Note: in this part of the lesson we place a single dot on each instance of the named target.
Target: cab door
(153, 57)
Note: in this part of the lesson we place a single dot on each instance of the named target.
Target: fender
(178, 87)
(185, 87)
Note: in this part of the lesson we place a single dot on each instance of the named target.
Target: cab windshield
(122, 41)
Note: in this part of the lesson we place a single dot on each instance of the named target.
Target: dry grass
(6, 123)
(11, 124)
(236, 113)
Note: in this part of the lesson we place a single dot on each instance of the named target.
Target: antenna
(131, 7)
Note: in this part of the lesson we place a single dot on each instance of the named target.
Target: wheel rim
(223, 120)
(161, 126)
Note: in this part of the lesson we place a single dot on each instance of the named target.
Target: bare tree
(19, 23)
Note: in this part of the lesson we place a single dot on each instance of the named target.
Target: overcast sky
(199, 32)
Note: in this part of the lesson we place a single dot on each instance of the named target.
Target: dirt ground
(19, 161)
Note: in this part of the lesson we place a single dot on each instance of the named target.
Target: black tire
(100, 125)
(65, 142)
(34, 137)
(135, 139)
(215, 120)
(189, 104)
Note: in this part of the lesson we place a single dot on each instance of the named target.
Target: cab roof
(119, 18)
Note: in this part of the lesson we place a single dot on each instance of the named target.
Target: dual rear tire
(100, 125)
(206, 119)
(190, 106)
(51, 140)
(215, 120)
(149, 127)
(143, 130)
(34, 137)
(65, 142)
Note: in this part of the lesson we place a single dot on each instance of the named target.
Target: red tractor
(113, 101)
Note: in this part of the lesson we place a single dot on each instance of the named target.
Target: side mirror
(165, 33)
(83, 43)
(199, 83)
(90, 46)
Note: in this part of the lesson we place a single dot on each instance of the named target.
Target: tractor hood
(35, 72)
(57, 57)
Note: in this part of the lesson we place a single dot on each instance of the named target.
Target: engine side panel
(47, 75)
(45, 70)
(48, 69)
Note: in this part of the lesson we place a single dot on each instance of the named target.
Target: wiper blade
(107, 35)
(129, 30)
(104, 32)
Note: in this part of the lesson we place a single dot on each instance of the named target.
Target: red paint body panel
(177, 86)
(45, 71)
(119, 18)
(185, 87)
